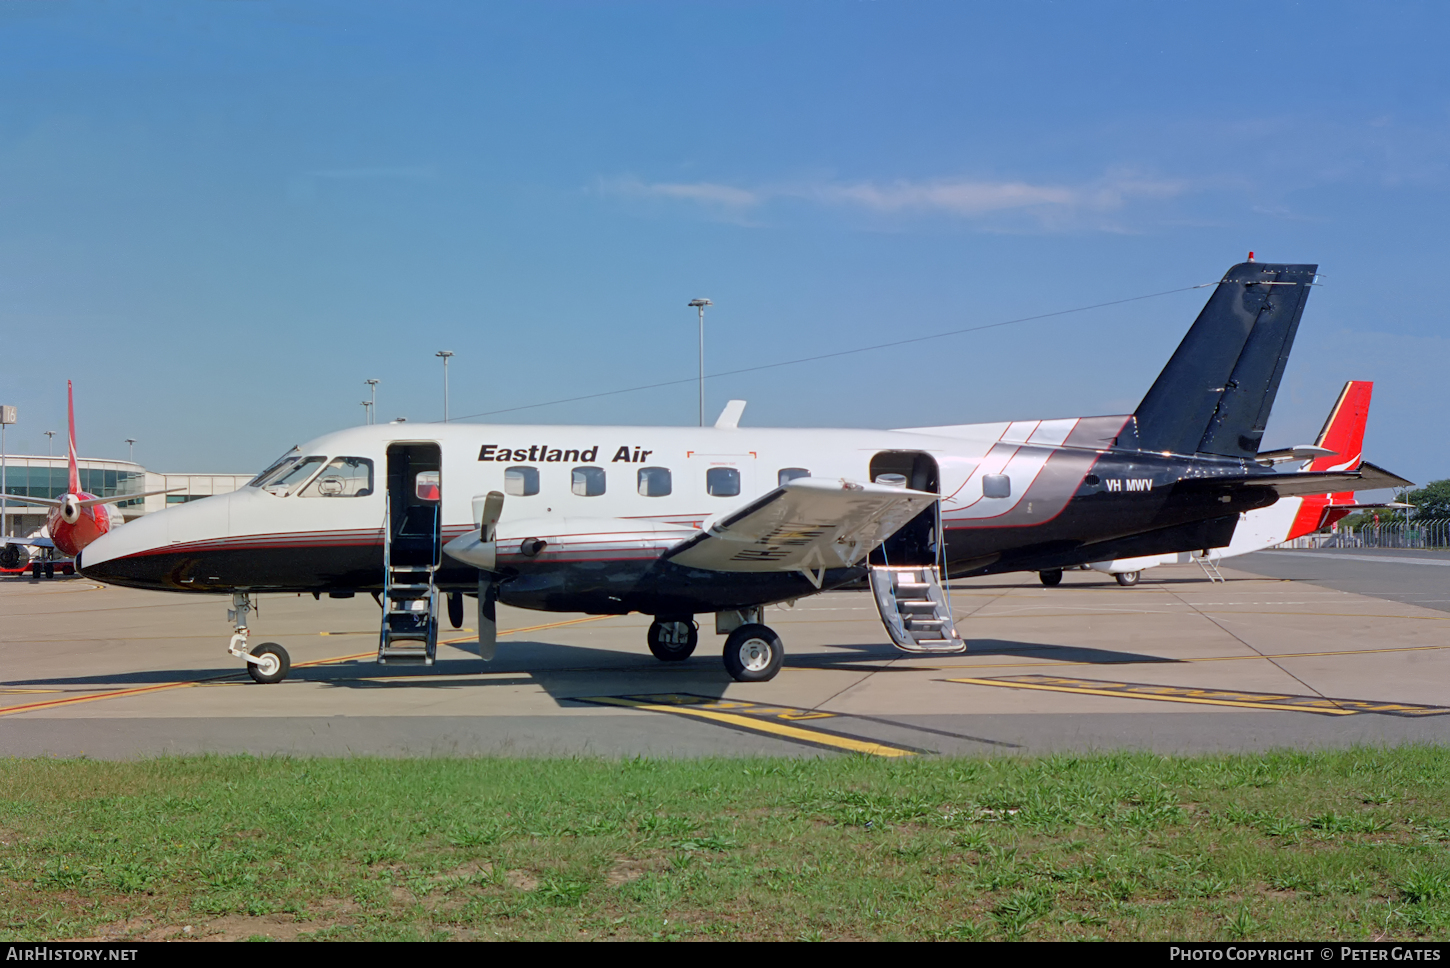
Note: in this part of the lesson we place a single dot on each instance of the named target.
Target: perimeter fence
(1418, 534)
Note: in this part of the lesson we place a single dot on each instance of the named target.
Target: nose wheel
(268, 662)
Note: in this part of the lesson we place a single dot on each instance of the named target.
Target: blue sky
(219, 218)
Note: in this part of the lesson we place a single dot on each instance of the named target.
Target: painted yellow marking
(714, 711)
(1212, 697)
(25, 692)
(71, 700)
(1165, 660)
(161, 687)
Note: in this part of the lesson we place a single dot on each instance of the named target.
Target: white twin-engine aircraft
(677, 522)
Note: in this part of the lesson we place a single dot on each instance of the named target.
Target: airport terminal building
(48, 476)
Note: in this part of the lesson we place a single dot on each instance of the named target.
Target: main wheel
(50, 569)
(673, 639)
(274, 666)
(753, 653)
(35, 569)
(455, 609)
(1126, 578)
(1051, 578)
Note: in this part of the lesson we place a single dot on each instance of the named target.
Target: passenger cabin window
(294, 477)
(722, 482)
(791, 474)
(426, 485)
(521, 481)
(344, 477)
(587, 481)
(654, 481)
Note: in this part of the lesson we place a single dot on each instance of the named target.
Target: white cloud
(1049, 205)
(709, 193)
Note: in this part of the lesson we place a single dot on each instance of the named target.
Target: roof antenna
(1251, 257)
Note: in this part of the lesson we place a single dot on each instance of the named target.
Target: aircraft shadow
(569, 672)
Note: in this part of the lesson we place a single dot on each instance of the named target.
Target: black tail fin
(1215, 394)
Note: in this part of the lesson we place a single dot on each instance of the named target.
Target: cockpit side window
(276, 467)
(293, 477)
(343, 477)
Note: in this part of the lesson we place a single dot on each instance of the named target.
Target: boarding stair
(410, 593)
(914, 608)
(1209, 568)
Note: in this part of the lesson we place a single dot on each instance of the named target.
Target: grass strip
(1125, 846)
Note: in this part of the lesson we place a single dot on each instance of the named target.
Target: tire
(1126, 578)
(276, 663)
(753, 653)
(35, 569)
(455, 609)
(664, 638)
(67, 569)
(1051, 578)
(49, 569)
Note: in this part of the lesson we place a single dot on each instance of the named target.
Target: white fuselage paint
(964, 455)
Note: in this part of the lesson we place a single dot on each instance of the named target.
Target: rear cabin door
(914, 544)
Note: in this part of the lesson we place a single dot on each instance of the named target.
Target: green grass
(1341, 845)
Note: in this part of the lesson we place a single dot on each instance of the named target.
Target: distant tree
(1431, 501)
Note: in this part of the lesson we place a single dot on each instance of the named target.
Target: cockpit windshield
(293, 476)
(276, 467)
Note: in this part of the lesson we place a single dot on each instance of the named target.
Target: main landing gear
(753, 652)
(266, 663)
(1051, 578)
(1126, 578)
(673, 638)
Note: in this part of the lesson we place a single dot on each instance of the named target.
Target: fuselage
(609, 502)
(73, 528)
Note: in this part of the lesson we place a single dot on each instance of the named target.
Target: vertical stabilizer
(70, 409)
(1215, 394)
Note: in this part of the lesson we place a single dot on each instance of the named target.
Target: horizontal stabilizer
(1367, 478)
(807, 525)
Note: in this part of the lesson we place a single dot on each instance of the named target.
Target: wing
(35, 542)
(807, 525)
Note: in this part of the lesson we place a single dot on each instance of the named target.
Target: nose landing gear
(267, 662)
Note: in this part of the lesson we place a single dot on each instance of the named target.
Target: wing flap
(806, 525)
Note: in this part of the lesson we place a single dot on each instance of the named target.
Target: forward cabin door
(412, 552)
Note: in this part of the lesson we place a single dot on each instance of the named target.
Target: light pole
(7, 417)
(131, 455)
(445, 354)
(50, 444)
(372, 407)
(700, 304)
(367, 413)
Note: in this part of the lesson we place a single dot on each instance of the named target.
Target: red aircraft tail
(75, 472)
(1343, 433)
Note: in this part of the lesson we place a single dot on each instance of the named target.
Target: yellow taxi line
(763, 726)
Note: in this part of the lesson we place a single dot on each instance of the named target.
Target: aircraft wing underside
(807, 525)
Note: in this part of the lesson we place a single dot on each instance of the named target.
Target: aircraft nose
(168, 549)
(132, 554)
